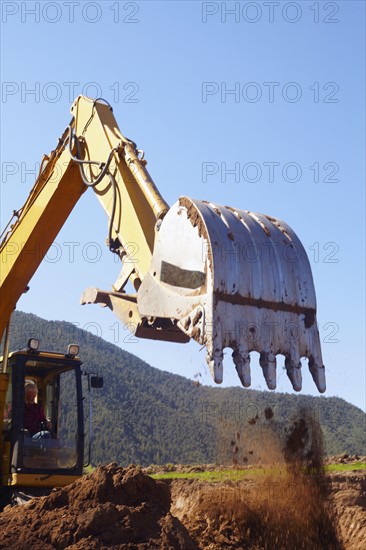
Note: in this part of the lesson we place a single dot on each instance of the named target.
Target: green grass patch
(217, 476)
(237, 475)
(345, 467)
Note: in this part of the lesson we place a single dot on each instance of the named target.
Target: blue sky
(297, 73)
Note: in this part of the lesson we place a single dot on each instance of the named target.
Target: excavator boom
(91, 152)
(225, 277)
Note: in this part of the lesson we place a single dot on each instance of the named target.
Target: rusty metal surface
(257, 293)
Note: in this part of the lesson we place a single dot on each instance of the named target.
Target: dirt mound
(348, 498)
(275, 512)
(286, 504)
(345, 458)
(124, 509)
(284, 501)
(117, 507)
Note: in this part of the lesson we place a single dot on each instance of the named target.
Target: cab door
(58, 450)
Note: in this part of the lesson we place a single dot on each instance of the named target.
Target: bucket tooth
(267, 361)
(241, 360)
(216, 367)
(318, 374)
(293, 368)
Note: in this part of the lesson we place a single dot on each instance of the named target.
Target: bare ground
(126, 509)
(288, 503)
(275, 512)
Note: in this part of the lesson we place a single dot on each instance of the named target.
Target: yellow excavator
(224, 277)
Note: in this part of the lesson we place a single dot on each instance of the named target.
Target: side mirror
(96, 381)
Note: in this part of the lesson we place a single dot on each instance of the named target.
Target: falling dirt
(280, 507)
(284, 500)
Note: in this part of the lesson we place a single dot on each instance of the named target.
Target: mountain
(147, 416)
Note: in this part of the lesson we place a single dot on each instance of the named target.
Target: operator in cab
(35, 422)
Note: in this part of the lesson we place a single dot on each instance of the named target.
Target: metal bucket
(237, 279)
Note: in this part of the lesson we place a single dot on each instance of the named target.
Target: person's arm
(42, 418)
(41, 415)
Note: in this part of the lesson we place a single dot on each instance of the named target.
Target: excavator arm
(225, 277)
(121, 184)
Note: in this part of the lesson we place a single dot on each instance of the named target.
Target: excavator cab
(48, 449)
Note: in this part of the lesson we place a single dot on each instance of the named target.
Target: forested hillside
(144, 415)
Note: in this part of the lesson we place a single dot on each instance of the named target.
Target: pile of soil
(275, 512)
(348, 501)
(271, 512)
(112, 507)
(344, 458)
(125, 509)
(287, 502)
